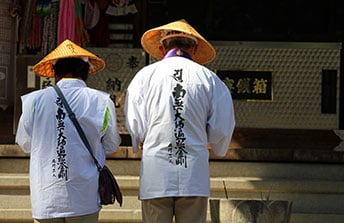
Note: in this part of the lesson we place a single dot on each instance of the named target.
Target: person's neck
(67, 75)
(177, 52)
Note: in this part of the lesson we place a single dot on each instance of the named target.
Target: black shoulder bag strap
(110, 193)
(77, 125)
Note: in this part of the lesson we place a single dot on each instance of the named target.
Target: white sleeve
(111, 139)
(135, 114)
(24, 130)
(221, 120)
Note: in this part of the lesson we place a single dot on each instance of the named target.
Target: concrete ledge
(218, 184)
(313, 196)
(276, 185)
(316, 190)
(316, 218)
(125, 216)
(306, 207)
(254, 144)
(12, 150)
(295, 171)
(134, 216)
(105, 216)
(15, 216)
(14, 181)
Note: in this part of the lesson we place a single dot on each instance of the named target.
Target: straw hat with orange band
(67, 49)
(152, 40)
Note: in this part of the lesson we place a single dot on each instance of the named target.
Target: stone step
(15, 208)
(316, 190)
(113, 215)
(297, 171)
(307, 198)
(219, 185)
(304, 194)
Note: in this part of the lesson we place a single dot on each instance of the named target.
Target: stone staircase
(315, 190)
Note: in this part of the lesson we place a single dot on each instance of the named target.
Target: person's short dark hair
(75, 66)
(180, 42)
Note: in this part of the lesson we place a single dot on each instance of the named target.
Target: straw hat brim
(150, 41)
(67, 49)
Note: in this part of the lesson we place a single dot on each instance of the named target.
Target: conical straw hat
(67, 49)
(151, 40)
